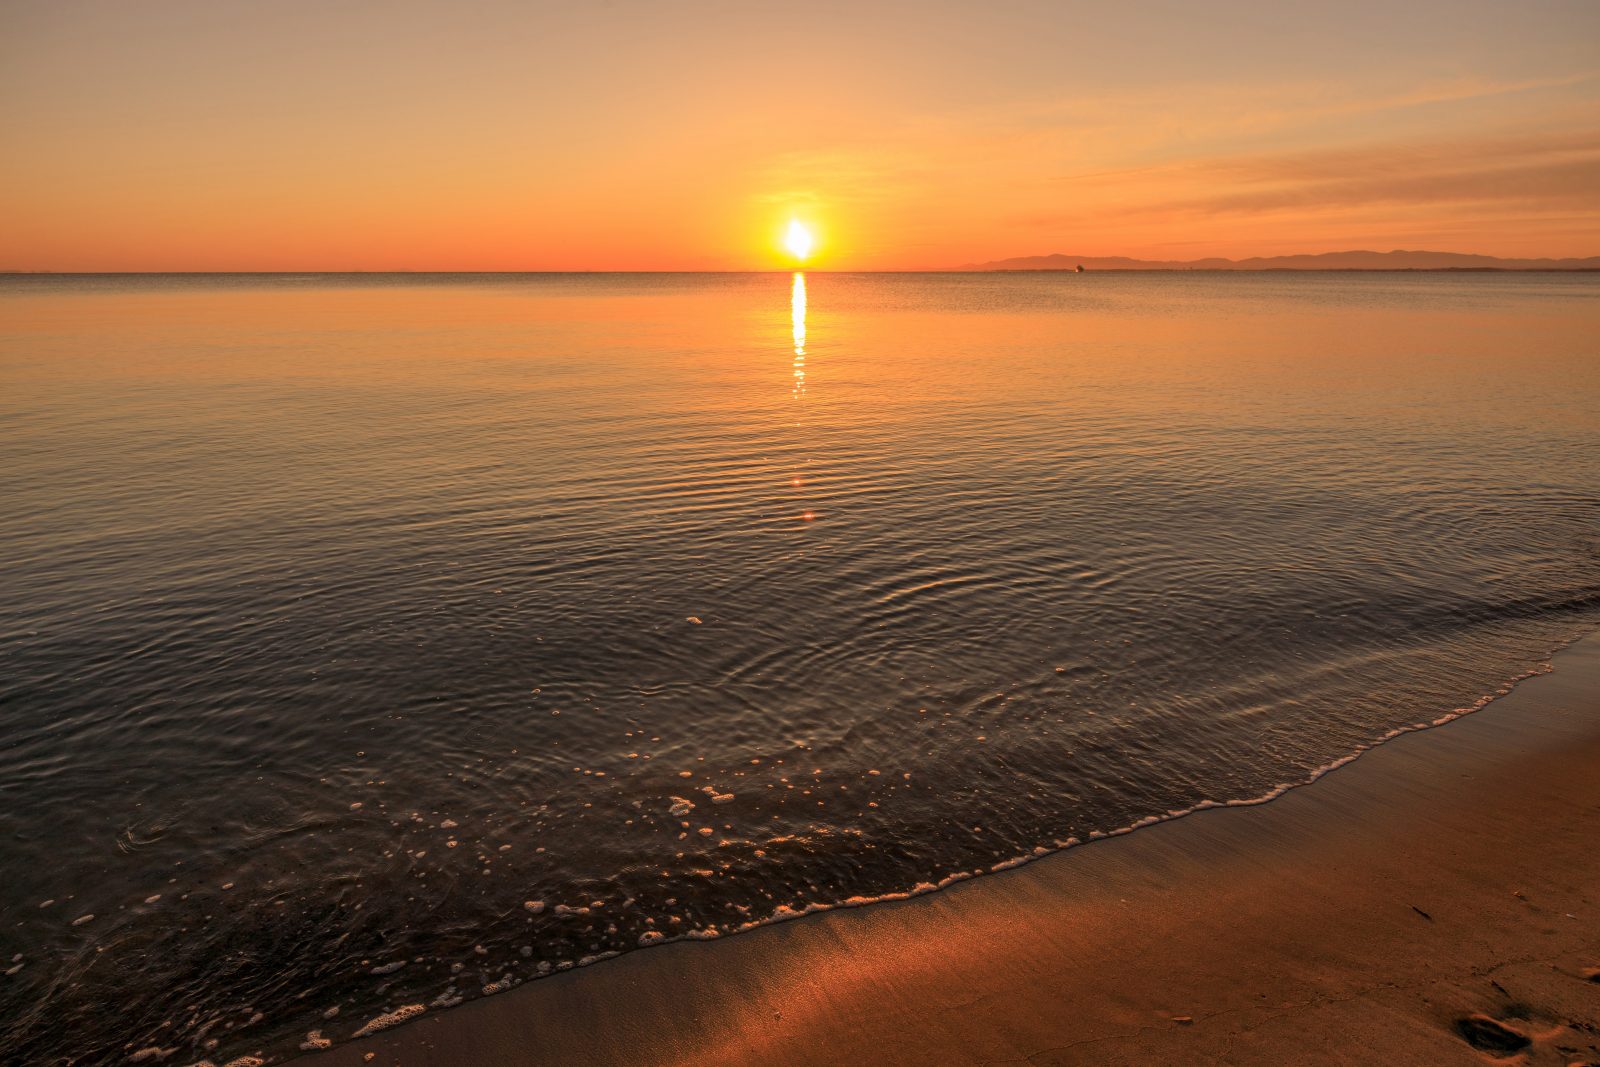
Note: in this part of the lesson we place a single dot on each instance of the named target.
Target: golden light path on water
(797, 319)
(797, 315)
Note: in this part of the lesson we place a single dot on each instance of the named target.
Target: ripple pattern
(370, 642)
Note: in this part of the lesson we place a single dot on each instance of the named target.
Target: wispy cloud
(1557, 170)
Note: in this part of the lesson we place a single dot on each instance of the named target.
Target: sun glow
(798, 240)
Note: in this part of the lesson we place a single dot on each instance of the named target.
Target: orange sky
(500, 135)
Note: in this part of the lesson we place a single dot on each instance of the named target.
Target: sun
(798, 240)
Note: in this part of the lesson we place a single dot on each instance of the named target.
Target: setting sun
(798, 240)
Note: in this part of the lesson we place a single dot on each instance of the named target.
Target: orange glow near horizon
(188, 136)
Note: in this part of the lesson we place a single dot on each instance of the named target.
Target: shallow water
(364, 640)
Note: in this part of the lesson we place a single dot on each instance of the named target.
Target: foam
(390, 1018)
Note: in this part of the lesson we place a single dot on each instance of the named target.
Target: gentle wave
(349, 619)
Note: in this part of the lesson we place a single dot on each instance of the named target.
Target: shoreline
(1397, 904)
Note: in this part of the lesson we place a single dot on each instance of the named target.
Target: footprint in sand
(1490, 1035)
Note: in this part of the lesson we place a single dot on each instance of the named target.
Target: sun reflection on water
(797, 319)
(797, 312)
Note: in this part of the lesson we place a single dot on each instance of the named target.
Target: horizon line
(829, 270)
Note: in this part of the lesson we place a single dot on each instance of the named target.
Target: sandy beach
(1432, 902)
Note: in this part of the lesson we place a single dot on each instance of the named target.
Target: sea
(371, 643)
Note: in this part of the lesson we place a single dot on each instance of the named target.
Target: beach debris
(390, 1018)
(1183, 1020)
(680, 806)
(1490, 1035)
(80, 920)
(535, 906)
(369, 1057)
(695, 619)
(1422, 913)
(388, 968)
(716, 797)
(314, 1041)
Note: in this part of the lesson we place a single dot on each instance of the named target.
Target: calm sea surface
(379, 641)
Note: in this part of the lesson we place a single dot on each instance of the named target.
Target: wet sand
(1436, 901)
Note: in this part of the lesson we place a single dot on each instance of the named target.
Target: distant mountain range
(1397, 260)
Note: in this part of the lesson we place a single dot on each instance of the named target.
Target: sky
(617, 135)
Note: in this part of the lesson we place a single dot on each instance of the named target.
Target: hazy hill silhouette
(1358, 260)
